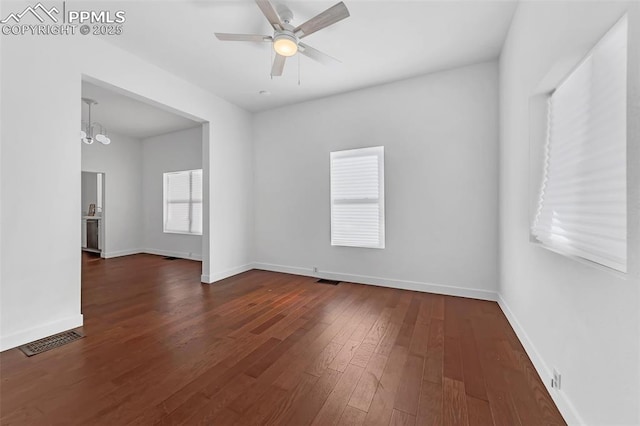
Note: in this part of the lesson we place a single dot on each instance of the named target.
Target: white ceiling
(126, 116)
(381, 41)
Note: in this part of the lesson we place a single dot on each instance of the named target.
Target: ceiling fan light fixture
(285, 45)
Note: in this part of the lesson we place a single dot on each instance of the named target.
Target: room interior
(457, 98)
(145, 142)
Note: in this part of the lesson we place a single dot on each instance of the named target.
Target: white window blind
(183, 202)
(583, 200)
(357, 198)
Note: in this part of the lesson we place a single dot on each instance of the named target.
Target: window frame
(569, 248)
(165, 202)
(378, 151)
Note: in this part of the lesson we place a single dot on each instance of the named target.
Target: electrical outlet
(556, 380)
(315, 269)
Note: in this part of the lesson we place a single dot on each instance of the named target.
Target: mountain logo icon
(38, 11)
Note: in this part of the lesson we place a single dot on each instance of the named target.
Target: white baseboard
(157, 252)
(179, 254)
(119, 253)
(565, 406)
(384, 282)
(217, 276)
(39, 332)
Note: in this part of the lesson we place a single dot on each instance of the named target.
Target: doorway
(92, 212)
(146, 141)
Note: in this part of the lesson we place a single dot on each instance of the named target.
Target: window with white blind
(582, 209)
(357, 198)
(183, 202)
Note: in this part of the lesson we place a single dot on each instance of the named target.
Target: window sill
(582, 260)
(183, 233)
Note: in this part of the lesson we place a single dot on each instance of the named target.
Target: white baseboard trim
(384, 282)
(217, 276)
(34, 333)
(179, 254)
(119, 253)
(157, 252)
(568, 411)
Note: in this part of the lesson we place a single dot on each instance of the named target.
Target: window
(183, 202)
(357, 198)
(582, 209)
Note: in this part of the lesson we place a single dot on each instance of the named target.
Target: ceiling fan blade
(316, 55)
(242, 37)
(278, 65)
(270, 13)
(335, 13)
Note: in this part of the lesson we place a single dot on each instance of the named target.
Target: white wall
(121, 163)
(582, 320)
(42, 136)
(440, 134)
(160, 154)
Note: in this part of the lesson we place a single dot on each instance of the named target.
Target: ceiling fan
(286, 37)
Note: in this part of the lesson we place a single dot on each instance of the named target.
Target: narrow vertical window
(357, 198)
(183, 202)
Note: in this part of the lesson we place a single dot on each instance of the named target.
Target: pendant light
(93, 131)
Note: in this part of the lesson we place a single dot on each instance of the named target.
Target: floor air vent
(332, 282)
(51, 342)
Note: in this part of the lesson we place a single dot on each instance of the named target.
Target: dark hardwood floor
(268, 348)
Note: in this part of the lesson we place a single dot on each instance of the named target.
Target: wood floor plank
(368, 383)
(472, 370)
(434, 358)
(424, 313)
(420, 338)
(430, 406)
(258, 367)
(269, 348)
(311, 403)
(381, 407)
(363, 354)
(338, 398)
(285, 407)
(408, 324)
(454, 403)
(344, 335)
(324, 359)
(479, 412)
(400, 418)
(408, 394)
(437, 310)
(365, 326)
(388, 341)
(343, 358)
(352, 417)
(218, 401)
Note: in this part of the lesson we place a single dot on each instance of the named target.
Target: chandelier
(93, 131)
